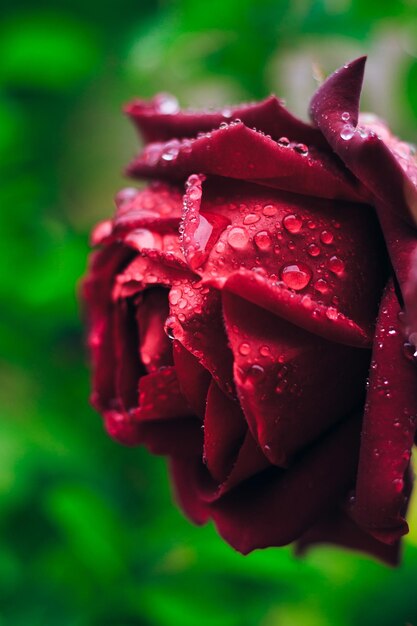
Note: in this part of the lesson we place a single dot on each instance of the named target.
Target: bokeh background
(88, 532)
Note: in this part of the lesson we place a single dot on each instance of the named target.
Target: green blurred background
(88, 532)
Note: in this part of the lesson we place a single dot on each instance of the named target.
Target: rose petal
(241, 153)
(193, 378)
(224, 431)
(161, 120)
(292, 385)
(388, 430)
(278, 506)
(297, 251)
(334, 109)
(164, 422)
(196, 322)
(151, 312)
(337, 528)
(385, 166)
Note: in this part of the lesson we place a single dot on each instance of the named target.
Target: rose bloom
(252, 317)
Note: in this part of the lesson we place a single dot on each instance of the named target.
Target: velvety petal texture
(252, 316)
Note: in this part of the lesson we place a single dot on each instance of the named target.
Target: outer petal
(279, 506)
(292, 255)
(239, 152)
(384, 165)
(338, 528)
(292, 385)
(388, 431)
(161, 120)
(334, 109)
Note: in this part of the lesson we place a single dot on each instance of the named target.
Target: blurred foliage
(88, 533)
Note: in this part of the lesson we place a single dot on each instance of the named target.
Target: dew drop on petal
(347, 132)
(244, 349)
(313, 250)
(284, 142)
(174, 295)
(301, 148)
(251, 218)
(237, 238)
(296, 276)
(336, 265)
(264, 350)
(269, 210)
(326, 237)
(331, 313)
(262, 240)
(292, 223)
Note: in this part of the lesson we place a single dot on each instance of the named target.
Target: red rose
(234, 317)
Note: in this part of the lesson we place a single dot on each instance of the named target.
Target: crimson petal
(337, 528)
(291, 255)
(384, 164)
(388, 430)
(292, 385)
(277, 507)
(241, 153)
(161, 120)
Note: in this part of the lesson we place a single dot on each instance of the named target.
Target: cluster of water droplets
(301, 148)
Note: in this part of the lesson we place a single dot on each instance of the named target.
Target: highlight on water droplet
(296, 276)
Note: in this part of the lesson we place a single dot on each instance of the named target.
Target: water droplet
(347, 132)
(392, 331)
(284, 142)
(244, 349)
(264, 351)
(256, 371)
(237, 238)
(170, 151)
(169, 326)
(251, 218)
(326, 237)
(331, 313)
(220, 247)
(167, 104)
(301, 148)
(311, 225)
(174, 295)
(321, 285)
(410, 352)
(313, 250)
(125, 195)
(296, 276)
(345, 116)
(269, 210)
(336, 265)
(262, 240)
(292, 223)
